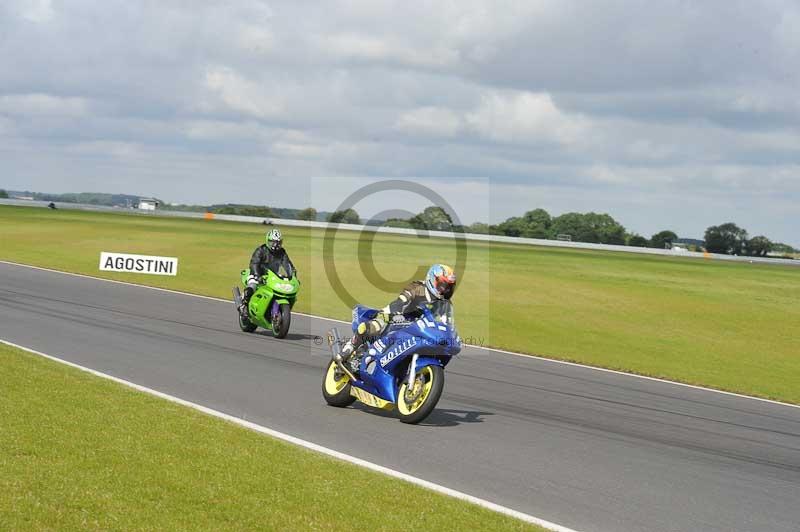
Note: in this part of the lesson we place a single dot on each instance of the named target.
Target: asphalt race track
(587, 449)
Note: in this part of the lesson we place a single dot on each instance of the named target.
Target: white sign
(122, 262)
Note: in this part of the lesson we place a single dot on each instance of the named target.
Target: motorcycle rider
(269, 256)
(439, 283)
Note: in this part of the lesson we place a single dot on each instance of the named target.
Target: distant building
(148, 204)
(696, 242)
(679, 247)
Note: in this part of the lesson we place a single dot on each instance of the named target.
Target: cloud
(38, 11)
(619, 106)
(430, 120)
(375, 49)
(239, 94)
(107, 148)
(37, 104)
(524, 117)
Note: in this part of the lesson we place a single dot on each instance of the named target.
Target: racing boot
(351, 354)
(348, 349)
(248, 293)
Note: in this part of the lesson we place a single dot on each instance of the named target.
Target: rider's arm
(288, 266)
(257, 262)
(408, 300)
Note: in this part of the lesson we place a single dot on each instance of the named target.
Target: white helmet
(274, 240)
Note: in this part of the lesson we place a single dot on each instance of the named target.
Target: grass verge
(726, 325)
(81, 452)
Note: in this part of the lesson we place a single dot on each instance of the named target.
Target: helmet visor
(445, 287)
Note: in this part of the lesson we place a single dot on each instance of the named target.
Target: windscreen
(442, 311)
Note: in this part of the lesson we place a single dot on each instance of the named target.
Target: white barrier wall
(402, 231)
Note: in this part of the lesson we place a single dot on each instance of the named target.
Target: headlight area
(285, 287)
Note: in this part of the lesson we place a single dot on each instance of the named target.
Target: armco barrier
(402, 231)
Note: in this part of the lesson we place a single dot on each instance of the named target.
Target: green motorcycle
(270, 305)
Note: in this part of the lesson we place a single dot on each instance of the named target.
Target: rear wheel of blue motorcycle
(415, 405)
(336, 387)
(246, 325)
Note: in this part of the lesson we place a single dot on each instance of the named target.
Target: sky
(667, 115)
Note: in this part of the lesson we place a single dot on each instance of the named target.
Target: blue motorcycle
(403, 369)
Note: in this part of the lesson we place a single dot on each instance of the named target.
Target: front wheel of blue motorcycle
(336, 387)
(415, 403)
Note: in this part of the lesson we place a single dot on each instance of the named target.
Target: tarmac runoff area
(588, 449)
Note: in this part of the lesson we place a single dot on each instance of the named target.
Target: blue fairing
(362, 314)
(387, 362)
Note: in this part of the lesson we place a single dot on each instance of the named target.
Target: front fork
(412, 371)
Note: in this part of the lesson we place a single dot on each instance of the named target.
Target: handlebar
(265, 277)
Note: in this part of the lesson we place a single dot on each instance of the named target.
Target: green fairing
(272, 289)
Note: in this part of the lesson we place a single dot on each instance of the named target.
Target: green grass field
(727, 325)
(78, 452)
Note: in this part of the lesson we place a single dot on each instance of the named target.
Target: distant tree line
(598, 228)
(591, 227)
(588, 227)
(129, 201)
(257, 211)
(88, 198)
(731, 239)
(538, 223)
(348, 216)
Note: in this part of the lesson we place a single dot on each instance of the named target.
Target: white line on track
(491, 349)
(309, 445)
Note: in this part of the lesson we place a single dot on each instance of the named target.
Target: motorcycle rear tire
(336, 392)
(246, 325)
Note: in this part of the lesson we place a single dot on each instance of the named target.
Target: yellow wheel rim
(422, 389)
(332, 384)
